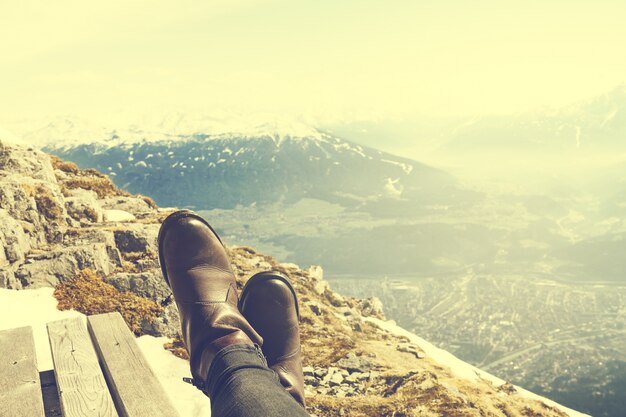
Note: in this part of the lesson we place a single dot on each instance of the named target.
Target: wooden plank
(134, 386)
(20, 389)
(83, 391)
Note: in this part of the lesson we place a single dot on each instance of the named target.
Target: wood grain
(134, 386)
(83, 391)
(20, 389)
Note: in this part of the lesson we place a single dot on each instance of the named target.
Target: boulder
(120, 216)
(336, 379)
(134, 205)
(137, 238)
(354, 363)
(8, 280)
(40, 204)
(316, 273)
(149, 284)
(320, 286)
(16, 198)
(50, 268)
(411, 348)
(167, 324)
(83, 205)
(371, 307)
(316, 308)
(15, 242)
(26, 161)
(96, 235)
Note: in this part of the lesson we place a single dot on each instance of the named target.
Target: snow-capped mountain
(69, 131)
(262, 163)
(597, 125)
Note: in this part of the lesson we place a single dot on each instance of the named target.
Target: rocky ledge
(74, 230)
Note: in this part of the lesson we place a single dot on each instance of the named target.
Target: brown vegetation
(102, 186)
(177, 347)
(150, 202)
(65, 166)
(89, 294)
(44, 199)
(87, 179)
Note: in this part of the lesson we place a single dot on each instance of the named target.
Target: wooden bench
(99, 370)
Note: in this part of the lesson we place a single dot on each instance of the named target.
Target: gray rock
(50, 268)
(22, 207)
(329, 375)
(13, 239)
(8, 280)
(335, 299)
(148, 284)
(146, 264)
(353, 378)
(36, 202)
(371, 307)
(320, 287)
(137, 238)
(28, 162)
(83, 206)
(134, 205)
(311, 381)
(355, 363)
(316, 308)
(340, 393)
(410, 348)
(346, 311)
(321, 373)
(118, 216)
(336, 379)
(97, 235)
(167, 324)
(308, 371)
(363, 376)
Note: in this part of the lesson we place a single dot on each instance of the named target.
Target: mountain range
(223, 171)
(596, 125)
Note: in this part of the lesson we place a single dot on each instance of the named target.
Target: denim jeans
(240, 384)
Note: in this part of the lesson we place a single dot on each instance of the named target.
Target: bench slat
(82, 388)
(134, 386)
(20, 389)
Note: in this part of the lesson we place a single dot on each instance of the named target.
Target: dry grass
(177, 347)
(149, 201)
(135, 257)
(65, 166)
(87, 179)
(101, 185)
(46, 201)
(88, 294)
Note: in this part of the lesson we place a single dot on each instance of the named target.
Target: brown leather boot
(270, 304)
(196, 267)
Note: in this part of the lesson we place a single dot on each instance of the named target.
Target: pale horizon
(323, 61)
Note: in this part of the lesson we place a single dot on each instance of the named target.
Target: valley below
(493, 282)
(564, 340)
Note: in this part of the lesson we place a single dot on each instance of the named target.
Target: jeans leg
(241, 385)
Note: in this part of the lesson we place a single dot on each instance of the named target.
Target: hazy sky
(332, 59)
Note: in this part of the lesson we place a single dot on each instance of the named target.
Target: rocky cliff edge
(73, 230)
